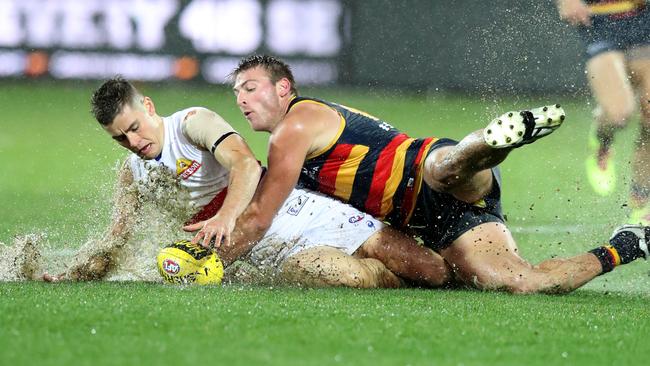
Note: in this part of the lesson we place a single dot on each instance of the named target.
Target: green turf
(58, 173)
(113, 324)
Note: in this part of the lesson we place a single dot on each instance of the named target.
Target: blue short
(608, 33)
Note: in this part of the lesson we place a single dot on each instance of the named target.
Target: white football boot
(514, 129)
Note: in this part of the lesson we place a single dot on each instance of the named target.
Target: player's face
(258, 98)
(137, 129)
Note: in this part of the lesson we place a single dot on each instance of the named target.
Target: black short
(609, 34)
(439, 218)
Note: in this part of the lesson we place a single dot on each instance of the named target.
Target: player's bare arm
(287, 151)
(209, 131)
(126, 205)
(124, 216)
(289, 144)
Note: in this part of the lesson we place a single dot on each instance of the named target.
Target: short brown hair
(111, 97)
(276, 68)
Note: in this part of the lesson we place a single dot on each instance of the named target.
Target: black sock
(607, 256)
(605, 136)
(622, 249)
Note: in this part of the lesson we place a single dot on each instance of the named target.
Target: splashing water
(21, 261)
(164, 206)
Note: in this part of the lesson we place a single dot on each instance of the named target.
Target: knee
(520, 286)
(440, 172)
(617, 115)
(433, 273)
(325, 274)
(450, 178)
(441, 275)
(367, 273)
(300, 272)
(443, 176)
(445, 173)
(353, 279)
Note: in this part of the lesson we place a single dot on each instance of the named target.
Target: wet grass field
(57, 179)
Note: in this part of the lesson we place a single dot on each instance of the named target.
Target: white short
(308, 219)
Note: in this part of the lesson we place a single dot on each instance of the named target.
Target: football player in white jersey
(314, 240)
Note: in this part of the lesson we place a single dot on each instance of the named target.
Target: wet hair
(110, 98)
(276, 68)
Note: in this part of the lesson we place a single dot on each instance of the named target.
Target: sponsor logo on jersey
(356, 218)
(370, 224)
(171, 266)
(185, 168)
(296, 205)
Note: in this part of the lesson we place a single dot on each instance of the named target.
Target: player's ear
(283, 87)
(149, 106)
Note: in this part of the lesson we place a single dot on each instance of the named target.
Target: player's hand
(215, 228)
(53, 278)
(574, 12)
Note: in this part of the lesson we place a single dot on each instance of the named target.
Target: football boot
(514, 129)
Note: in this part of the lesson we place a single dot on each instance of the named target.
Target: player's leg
(609, 81)
(324, 266)
(487, 257)
(402, 255)
(479, 248)
(640, 189)
(315, 236)
(463, 169)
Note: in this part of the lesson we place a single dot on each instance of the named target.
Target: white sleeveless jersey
(197, 169)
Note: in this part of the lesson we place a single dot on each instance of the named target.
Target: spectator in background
(617, 37)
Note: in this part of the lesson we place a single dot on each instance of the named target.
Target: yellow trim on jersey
(419, 179)
(338, 133)
(358, 111)
(480, 203)
(395, 179)
(615, 8)
(345, 177)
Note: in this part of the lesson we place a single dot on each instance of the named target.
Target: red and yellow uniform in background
(616, 7)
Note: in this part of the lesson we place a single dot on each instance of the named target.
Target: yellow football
(187, 263)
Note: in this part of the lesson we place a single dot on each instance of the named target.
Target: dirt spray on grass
(163, 207)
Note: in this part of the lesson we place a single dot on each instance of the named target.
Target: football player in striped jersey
(446, 192)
